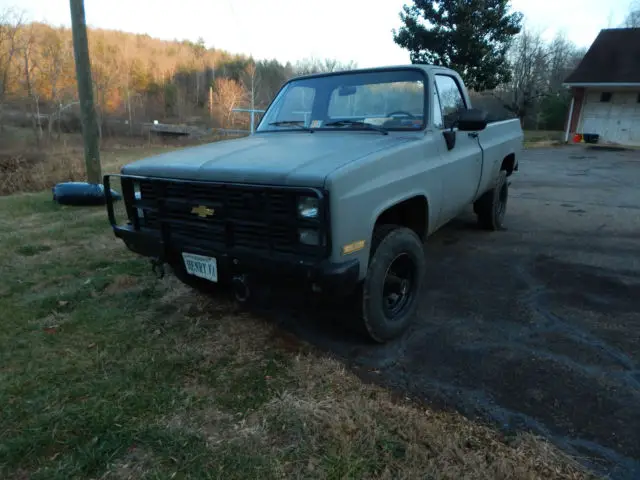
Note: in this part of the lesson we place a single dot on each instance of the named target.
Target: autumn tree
(27, 64)
(228, 94)
(106, 69)
(136, 78)
(470, 36)
(11, 25)
(56, 65)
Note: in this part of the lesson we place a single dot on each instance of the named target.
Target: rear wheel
(492, 206)
(390, 292)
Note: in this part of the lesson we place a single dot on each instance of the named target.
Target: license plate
(201, 266)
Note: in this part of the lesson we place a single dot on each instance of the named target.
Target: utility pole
(211, 101)
(85, 92)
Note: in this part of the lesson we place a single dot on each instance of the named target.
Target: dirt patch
(121, 283)
(132, 466)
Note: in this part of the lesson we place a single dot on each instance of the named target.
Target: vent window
(605, 96)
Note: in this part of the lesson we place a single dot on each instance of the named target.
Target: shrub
(33, 171)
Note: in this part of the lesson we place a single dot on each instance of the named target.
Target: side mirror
(347, 90)
(472, 120)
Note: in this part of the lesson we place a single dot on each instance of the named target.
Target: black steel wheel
(398, 285)
(491, 207)
(390, 292)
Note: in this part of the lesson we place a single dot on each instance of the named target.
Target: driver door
(462, 165)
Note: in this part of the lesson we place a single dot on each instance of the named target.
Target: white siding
(616, 121)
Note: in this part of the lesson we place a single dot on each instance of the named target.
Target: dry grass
(334, 426)
(27, 168)
(33, 171)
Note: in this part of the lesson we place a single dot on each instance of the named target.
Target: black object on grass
(81, 194)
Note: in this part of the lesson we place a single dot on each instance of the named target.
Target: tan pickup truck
(346, 177)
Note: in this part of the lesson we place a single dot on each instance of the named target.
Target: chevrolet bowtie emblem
(203, 211)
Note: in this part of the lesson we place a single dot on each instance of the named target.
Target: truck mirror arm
(450, 137)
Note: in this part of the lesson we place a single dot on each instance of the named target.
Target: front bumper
(334, 278)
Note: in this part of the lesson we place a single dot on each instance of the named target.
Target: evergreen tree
(470, 36)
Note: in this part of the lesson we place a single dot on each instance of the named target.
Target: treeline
(136, 79)
(139, 79)
(534, 93)
(538, 68)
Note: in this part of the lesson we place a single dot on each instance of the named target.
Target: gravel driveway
(536, 327)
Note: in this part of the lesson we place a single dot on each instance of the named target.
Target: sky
(289, 30)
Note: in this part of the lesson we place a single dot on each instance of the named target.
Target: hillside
(136, 77)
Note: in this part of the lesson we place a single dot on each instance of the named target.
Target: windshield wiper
(357, 123)
(292, 123)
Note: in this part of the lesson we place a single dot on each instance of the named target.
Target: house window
(605, 96)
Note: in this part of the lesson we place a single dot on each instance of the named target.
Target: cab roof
(410, 66)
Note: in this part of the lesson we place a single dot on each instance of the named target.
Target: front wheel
(391, 289)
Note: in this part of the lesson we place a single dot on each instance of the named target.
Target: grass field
(106, 372)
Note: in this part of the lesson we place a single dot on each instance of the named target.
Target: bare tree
(251, 82)
(11, 24)
(199, 51)
(228, 94)
(55, 60)
(315, 65)
(561, 61)
(106, 68)
(632, 19)
(529, 59)
(28, 46)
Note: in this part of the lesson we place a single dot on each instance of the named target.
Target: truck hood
(282, 158)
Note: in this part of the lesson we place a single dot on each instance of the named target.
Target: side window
(451, 98)
(437, 109)
(605, 96)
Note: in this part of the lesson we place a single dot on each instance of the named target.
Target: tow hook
(241, 288)
(157, 267)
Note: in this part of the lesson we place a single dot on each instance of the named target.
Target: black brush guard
(248, 228)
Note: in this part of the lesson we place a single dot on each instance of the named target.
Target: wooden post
(85, 92)
(211, 101)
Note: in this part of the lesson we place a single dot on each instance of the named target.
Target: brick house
(605, 89)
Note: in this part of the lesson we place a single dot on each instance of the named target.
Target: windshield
(390, 100)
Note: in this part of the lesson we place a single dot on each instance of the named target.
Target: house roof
(614, 57)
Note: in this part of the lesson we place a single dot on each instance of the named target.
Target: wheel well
(411, 213)
(508, 163)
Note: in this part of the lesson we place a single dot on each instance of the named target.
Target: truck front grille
(231, 217)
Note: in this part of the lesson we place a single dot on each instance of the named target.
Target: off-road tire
(491, 207)
(391, 243)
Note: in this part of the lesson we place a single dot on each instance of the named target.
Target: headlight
(308, 207)
(138, 196)
(309, 237)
